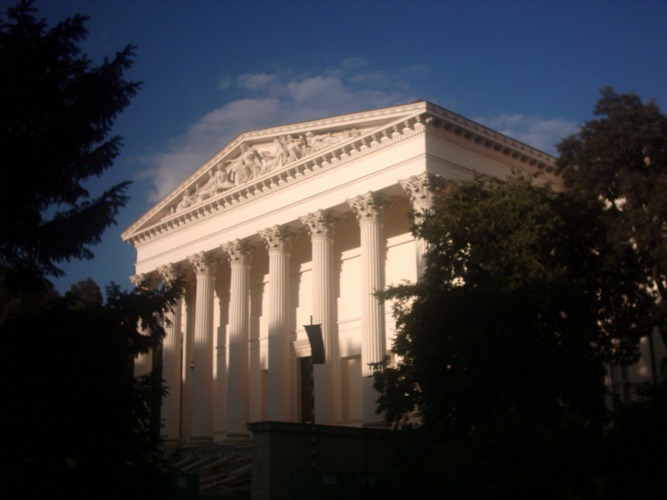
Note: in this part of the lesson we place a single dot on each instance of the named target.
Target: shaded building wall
(298, 460)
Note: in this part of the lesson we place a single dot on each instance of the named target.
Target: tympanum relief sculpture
(253, 162)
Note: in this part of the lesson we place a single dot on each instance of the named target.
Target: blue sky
(212, 69)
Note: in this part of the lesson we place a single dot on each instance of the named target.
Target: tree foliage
(527, 292)
(58, 109)
(620, 159)
(522, 301)
(78, 416)
(78, 423)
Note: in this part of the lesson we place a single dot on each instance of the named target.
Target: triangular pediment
(258, 157)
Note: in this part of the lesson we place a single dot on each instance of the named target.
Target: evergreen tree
(78, 423)
(58, 110)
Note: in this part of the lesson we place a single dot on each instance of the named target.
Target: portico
(293, 224)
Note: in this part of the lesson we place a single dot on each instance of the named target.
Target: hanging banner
(314, 333)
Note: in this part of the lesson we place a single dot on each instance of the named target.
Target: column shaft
(220, 384)
(171, 355)
(368, 208)
(203, 350)
(187, 366)
(320, 226)
(279, 408)
(237, 391)
(171, 366)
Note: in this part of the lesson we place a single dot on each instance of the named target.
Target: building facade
(297, 225)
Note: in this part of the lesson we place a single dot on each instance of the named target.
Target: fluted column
(237, 388)
(421, 189)
(171, 366)
(220, 384)
(202, 364)
(368, 209)
(187, 367)
(320, 227)
(277, 242)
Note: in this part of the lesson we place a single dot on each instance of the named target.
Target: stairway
(219, 472)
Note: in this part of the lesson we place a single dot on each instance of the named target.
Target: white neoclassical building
(296, 225)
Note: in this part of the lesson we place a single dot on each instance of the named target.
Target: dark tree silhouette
(58, 109)
(620, 157)
(500, 348)
(522, 301)
(78, 423)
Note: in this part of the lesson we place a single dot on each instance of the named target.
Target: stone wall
(301, 461)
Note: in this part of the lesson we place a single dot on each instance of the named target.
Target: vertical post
(317, 357)
(313, 452)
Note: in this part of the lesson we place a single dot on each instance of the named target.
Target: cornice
(493, 141)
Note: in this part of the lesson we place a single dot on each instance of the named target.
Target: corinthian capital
(144, 280)
(319, 224)
(237, 251)
(276, 238)
(169, 273)
(202, 262)
(368, 207)
(421, 189)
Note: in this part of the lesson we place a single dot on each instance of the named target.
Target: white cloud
(538, 132)
(272, 99)
(257, 81)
